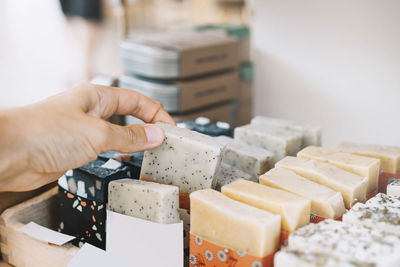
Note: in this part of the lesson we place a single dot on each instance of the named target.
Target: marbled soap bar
(311, 134)
(325, 202)
(228, 174)
(389, 155)
(250, 159)
(393, 188)
(145, 200)
(353, 187)
(361, 245)
(232, 224)
(187, 159)
(294, 210)
(279, 141)
(380, 212)
(363, 166)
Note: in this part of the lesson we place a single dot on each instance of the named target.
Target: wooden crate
(19, 249)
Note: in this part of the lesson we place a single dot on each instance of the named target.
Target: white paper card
(90, 255)
(112, 164)
(44, 234)
(144, 243)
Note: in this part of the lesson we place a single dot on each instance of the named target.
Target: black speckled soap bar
(82, 218)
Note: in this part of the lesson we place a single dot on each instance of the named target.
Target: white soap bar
(145, 200)
(363, 166)
(311, 134)
(232, 224)
(294, 210)
(279, 141)
(287, 257)
(227, 174)
(393, 188)
(389, 155)
(325, 202)
(186, 159)
(250, 159)
(362, 245)
(353, 187)
(380, 212)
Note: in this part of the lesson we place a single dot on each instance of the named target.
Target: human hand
(40, 142)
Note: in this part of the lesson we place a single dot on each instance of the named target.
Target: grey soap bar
(228, 174)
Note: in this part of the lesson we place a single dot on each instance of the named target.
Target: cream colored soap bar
(229, 223)
(325, 202)
(353, 187)
(389, 155)
(294, 210)
(363, 166)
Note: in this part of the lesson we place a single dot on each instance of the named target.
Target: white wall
(331, 63)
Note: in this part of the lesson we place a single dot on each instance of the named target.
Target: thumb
(134, 138)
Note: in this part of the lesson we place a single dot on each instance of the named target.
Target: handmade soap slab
(393, 188)
(279, 141)
(81, 217)
(250, 159)
(353, 187)
(389, 155)
(228, 174)
(133, 161)
(311, 134)
(145, 200)
(230, 223)
(363, 166)
(325, 202)
(187, 159)
(361, 245)
(380, 212)
(294, 210)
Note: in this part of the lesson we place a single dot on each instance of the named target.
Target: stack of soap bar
(145, 200)
(393, 188)
(187, 159)
(380, 212)
(363, 166)
(389, 155)
(250, 159)
(311, 134)
(279, 141)
(353, 187)
(294, 210)
(227, 174)
(232, 224)
(325, 202)
(361, 245)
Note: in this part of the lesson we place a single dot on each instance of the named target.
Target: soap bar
(380, 212)
(145, 200)
(187, 159)
(288, 257)
(250, 159)
(185, 218)
(362, 245)
(325, 202)
(363, 166)
(279, 141)
(311, 134)
(389, 155)
(353, 187)
(227, 174)
(294, 210)
(393, 188)
(229, 223)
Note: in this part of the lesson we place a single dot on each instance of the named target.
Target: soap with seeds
(187, 159)
(228, 174)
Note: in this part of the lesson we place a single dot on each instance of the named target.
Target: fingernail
(154, 134)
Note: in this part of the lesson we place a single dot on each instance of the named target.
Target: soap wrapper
(144, 243)
(208, 254)
(385, 178)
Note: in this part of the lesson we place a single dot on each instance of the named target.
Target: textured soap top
(146, 200)
(278, 133)
(395, 182)
(227, 174)
(360, 244)
(390, 151)
(186, 159)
